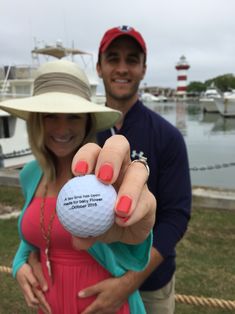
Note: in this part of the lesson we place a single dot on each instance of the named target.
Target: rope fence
(213, 167)
(180, 298)
(5, 269)
(208, 302)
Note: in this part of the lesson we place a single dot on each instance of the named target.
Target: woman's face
(64, 132)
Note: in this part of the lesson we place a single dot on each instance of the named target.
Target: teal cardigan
(116, 257)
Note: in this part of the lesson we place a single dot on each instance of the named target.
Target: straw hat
(61, 87)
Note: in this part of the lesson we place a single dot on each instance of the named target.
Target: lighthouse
(182, 67)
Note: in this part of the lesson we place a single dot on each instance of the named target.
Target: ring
(143, 160)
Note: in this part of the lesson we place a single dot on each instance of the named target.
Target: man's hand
(111, 294)
(31, 289)
(36, 265)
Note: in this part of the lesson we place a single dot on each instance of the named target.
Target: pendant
(48, 263)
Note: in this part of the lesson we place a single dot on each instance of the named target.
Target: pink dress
(72, 270)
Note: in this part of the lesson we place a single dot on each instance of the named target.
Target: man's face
(122, 67)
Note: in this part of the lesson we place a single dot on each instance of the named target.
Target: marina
(208, 133)
(210, 140)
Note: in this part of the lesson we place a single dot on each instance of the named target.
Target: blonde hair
(43, 155)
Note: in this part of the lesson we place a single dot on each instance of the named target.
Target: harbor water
(210, 140)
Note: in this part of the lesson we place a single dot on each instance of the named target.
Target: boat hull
(226, 106)
(208, 105)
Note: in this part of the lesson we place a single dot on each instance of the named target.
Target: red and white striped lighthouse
(182, 67)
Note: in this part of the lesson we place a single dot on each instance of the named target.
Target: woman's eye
(75, 117)
(49, 116)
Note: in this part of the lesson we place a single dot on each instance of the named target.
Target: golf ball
(85, 206)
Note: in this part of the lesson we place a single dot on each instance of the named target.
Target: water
(210, 141)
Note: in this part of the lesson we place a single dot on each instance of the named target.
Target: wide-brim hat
(61, 87)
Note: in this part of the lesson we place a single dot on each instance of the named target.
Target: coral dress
(72, 270)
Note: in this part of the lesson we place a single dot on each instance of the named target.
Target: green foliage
(196, 87)
(223, 83)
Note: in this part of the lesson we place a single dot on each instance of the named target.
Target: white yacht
(148, 97)
(207, 100)
(226, 104)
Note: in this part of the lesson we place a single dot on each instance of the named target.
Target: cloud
(202, 30)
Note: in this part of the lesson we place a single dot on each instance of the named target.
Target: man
(122, 65)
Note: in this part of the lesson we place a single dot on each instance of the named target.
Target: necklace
(46, 233)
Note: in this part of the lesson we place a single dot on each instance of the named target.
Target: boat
(14, 147)
(226, 104)
(17, 81)
(207, 100)
(162, 98)
(148, 97)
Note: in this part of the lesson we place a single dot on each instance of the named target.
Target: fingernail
(124, 204)
(106, 173)
(81, 294)
(81, 167)
(44, 288)
(124, 219)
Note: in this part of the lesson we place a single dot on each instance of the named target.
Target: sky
(201, 30)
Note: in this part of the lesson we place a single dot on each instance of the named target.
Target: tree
(196, 87)
(222, 82)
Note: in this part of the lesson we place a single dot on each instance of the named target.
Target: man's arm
(135, 279)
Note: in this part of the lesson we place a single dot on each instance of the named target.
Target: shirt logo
(135, 155)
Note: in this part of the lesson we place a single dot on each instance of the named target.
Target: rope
(5, 269)
(213, 167)
(180, 298)
(210, 302)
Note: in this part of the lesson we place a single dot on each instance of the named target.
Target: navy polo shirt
(151, 136)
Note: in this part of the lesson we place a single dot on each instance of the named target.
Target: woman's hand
(135, 205)
(32, 284)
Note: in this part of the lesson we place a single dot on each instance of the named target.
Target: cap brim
(55, 102)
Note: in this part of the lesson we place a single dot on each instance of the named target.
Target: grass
(11, 196)
(205, 260)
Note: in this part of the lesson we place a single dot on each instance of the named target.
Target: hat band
(62, 83)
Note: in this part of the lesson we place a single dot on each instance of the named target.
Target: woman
(60, 120)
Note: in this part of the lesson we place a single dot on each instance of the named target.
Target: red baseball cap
(116, 32)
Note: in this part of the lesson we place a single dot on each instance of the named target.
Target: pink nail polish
(81, 167)
(106, 173)
(124, 204)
